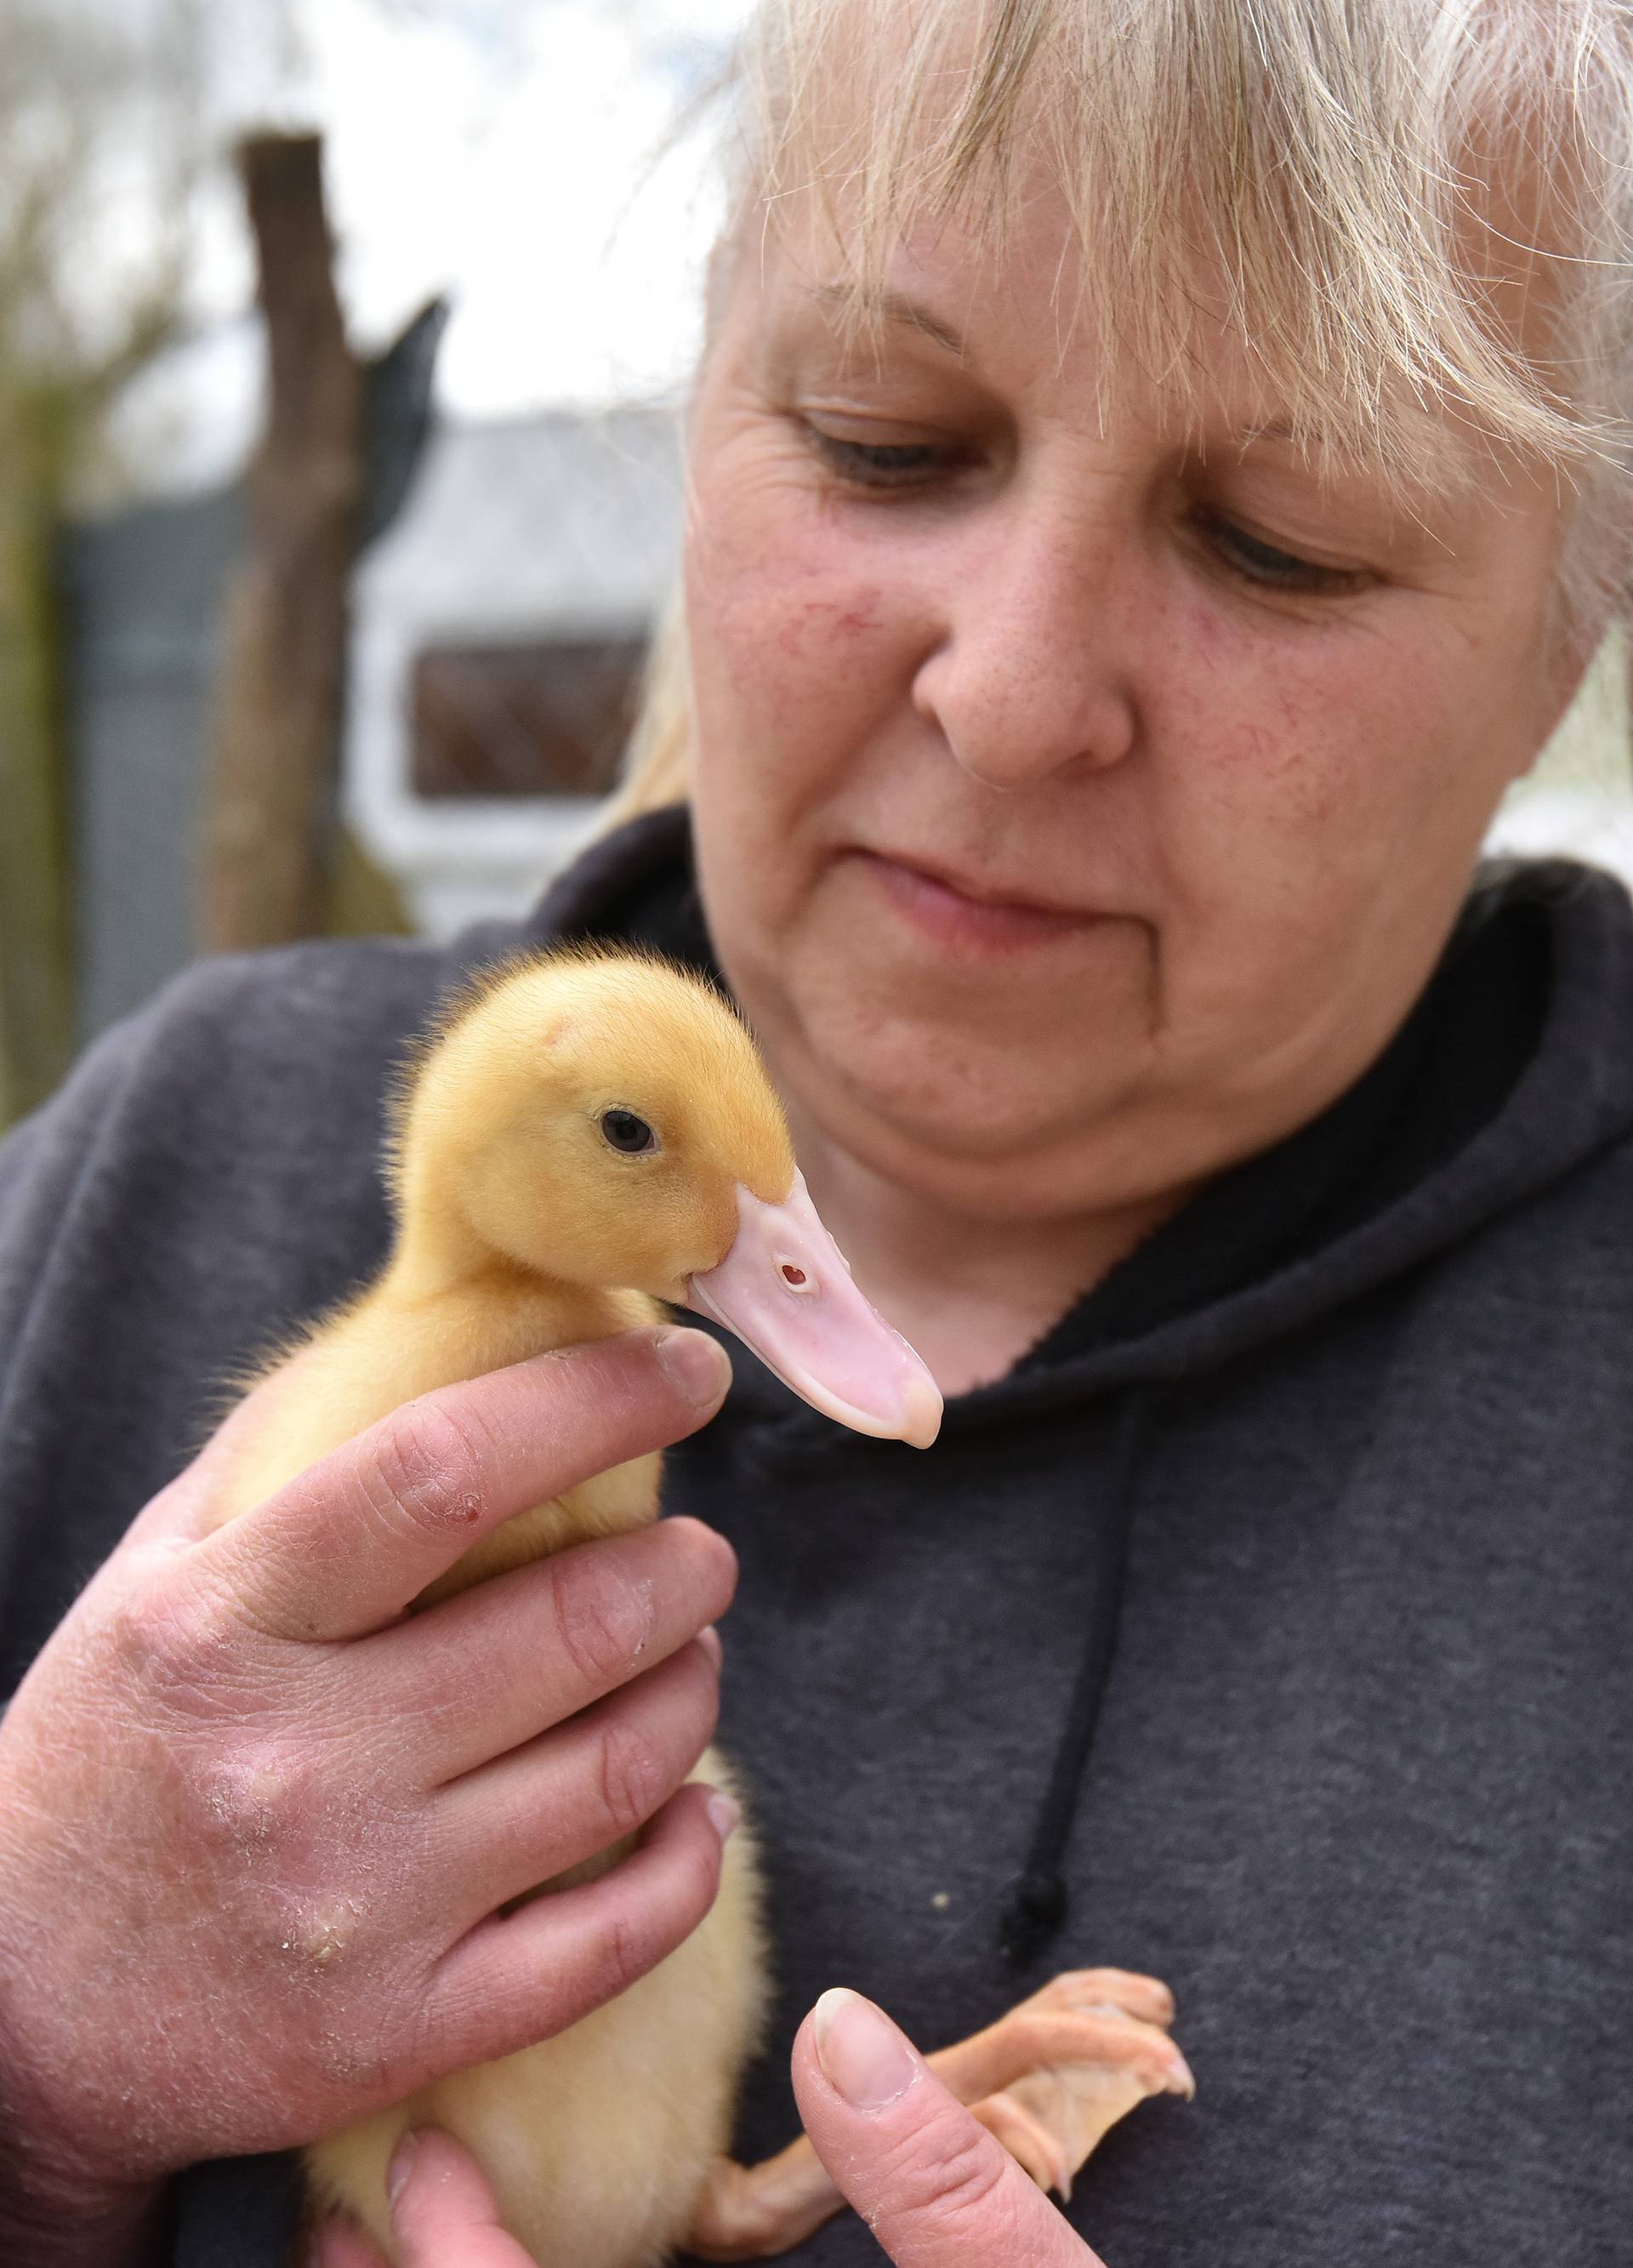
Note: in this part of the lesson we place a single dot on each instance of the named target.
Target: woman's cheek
(799, 661)
(1325, 746)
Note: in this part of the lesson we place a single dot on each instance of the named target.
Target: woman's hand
(254, 1824)
(935, 2188)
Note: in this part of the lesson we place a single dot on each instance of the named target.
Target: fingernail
(697, 1366)
(863, 2055)
(709, 1639)
(1185, 2083)
(726, 1815)
(401, 2166)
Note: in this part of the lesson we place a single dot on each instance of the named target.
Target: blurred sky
(510, 152)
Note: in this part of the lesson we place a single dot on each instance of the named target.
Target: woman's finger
(523, 1976)
(479, 1675)
(344, 1548)
(573, 1792)
(933, 2186)
(443, 2210)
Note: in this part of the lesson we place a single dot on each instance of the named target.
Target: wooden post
(270, 829)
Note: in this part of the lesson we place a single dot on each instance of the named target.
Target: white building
(529, 553)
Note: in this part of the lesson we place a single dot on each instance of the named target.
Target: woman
(1157, 475)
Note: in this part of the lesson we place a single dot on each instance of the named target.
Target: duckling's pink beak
(784, 1288)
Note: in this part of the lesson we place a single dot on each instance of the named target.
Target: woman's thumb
(935, 2188)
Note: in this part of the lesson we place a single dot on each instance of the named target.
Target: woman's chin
(885, 1079)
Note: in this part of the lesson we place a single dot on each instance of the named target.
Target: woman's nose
(1033, 671)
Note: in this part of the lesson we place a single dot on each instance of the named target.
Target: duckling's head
(604, 1120)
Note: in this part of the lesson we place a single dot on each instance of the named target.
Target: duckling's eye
(628, 1133)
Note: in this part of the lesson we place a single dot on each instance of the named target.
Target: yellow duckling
(586, 1136)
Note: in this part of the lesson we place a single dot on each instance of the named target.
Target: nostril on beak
(794, 1276)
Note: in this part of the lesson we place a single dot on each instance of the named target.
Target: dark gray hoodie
(1322, 1508)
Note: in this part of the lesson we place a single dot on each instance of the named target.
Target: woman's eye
(882, 464)
(1273, 569)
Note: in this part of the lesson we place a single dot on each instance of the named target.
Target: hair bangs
(1366, 193)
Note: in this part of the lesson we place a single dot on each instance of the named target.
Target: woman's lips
(956, 917)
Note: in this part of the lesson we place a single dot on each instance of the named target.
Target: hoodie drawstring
(1039, 1903)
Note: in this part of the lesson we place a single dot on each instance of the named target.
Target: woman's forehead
(1023, 318)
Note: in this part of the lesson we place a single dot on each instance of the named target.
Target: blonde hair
(1366, 187)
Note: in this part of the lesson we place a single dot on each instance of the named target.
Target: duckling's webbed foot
(1050, 2079)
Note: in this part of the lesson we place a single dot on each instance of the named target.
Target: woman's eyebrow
(891, 307)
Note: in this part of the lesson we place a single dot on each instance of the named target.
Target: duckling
(586, 1136)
